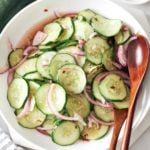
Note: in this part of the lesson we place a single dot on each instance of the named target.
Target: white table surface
(143, 142)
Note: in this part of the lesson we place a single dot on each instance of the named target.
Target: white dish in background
(134, 2)
(16, 29)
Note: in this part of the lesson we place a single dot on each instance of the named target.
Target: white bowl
(135, 2)
(27, 19)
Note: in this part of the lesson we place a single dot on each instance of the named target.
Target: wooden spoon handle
(121, 114)
(128, 128)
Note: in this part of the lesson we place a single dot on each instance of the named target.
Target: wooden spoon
(138, 57)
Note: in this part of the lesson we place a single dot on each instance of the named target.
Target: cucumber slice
(90, 76)
(15, 57)
(104, 113)
(88, 14)
(53, 31)
(17, 92)
(89, 67)
(45, 48)
(33, 76)
(33, 87)
(59, 98)
(43, 64)
(78, 104)
(95, 90)
(72, 50)
(94, 133)
(125, 103)
(31, 120)
(58, 61)
(35, 54)
(94, 48)
(91, 70)
(27, 67)
(66, 44)
(112, 87)
(106, 27)
(122, 36)
(67, 133)
(51, 123)
(107, 60)
(68, 28)
(72, 78)
(83, 30)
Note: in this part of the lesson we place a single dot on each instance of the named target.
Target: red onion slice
(42, 131)
(10, 77)
(59, 115)
(117, 65)
(98, 103)
(91, 121)
(81, 43)
(122, 55)
(26, 108)
(4, 69)
(77, 52)
(39, 38)
(18, 65)
(100, 121)
(28, 50)
(122, 51)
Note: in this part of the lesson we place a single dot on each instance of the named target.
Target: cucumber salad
(71, 77)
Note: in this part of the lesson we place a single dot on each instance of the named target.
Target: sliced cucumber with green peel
(53, 31)
(95, 90)
(33, 87)
(17, 93)
(125, 103)
(94, 132)
(33, 76)
(31, 120)
(45, 48)
(58, 61)
(72, 78)
(83, 30)
(88, 14)
(107, 60)
(122, 36)
(43, 64)
(66, 133)
(94, 48)
(112, 87)
(73, 50)
(91, 70)
(35, 54)
(49, 125)
(89, 67)
(66, 44)
(78, 104)
(68, 28)
(15, 57)
(106, 27)
(28, 66)
(59, 98)
(104, 113)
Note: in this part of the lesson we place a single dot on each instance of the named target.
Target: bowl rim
(132, 2)
(5, 28)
